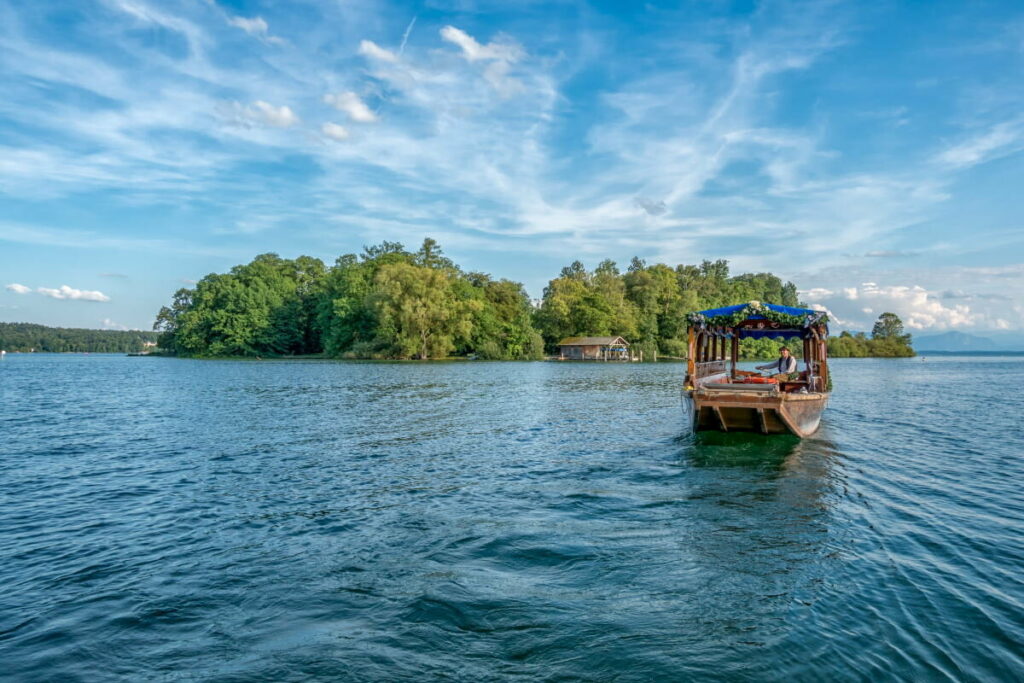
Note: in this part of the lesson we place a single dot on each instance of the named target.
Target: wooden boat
(722, 397)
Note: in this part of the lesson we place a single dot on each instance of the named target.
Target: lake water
(234, 521)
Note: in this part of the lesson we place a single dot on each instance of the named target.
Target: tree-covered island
(391, 303)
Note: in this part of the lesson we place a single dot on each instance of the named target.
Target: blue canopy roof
(729, 310)
(784, 332)
(770, 334)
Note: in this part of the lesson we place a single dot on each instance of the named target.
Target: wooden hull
(767, 413)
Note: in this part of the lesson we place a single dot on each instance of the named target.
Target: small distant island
(391, 303)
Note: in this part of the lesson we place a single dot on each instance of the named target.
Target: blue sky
(871, 152)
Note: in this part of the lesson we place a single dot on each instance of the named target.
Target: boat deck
(764, 408)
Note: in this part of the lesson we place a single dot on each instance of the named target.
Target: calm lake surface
(233, 521)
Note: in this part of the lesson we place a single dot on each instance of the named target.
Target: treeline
(647, 304)
(392, 303)
(384, 303)
(859, 345)
(888, 340)
(846, 345)
(40, 338)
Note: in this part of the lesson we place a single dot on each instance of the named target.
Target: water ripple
(279, 521)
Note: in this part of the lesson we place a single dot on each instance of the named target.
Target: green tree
(895, 345)
(889, 326)
(384, 249)
(430, 255)
(167, 320)
(503, 323)
(558, 317)
(264, 307)
(417, 311)
(344, 317)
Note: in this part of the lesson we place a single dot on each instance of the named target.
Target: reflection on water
(761, 520)
(360, 521)
(739, 449)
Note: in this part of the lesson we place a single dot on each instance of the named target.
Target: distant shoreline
(926, 352)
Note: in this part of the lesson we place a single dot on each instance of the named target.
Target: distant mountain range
(953, 342)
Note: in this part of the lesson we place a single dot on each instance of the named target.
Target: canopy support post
(735, 352)
(691, 350)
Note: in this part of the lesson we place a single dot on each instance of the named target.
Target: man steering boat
(783, 367)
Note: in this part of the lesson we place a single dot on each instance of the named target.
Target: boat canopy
(788, 322)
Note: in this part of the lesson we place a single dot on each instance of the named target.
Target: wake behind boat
(722, 397)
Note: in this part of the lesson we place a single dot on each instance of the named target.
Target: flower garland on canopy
(784, 320)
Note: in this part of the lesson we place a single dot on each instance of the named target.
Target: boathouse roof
(593, 341)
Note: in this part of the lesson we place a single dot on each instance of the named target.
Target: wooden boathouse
(594, 348)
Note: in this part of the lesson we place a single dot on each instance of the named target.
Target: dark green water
(234, 521)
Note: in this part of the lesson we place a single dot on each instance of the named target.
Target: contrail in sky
(405, 36)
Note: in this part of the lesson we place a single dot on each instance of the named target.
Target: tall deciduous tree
(417, 311)
(888, 326)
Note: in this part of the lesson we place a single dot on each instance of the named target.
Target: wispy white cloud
(335, 132)
(265, 113)
(351, 104)
(504, 49)
(500, 54)
(81, 239)
(677, 144)
(108, 324)
(888, 253)
(370, 49)
(1014, 270)
(18, 289)
(1001, 139)
(256, 27)
(148, 14)
(70, 293)
(251, 224)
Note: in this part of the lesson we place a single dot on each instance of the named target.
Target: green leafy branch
(753, 308)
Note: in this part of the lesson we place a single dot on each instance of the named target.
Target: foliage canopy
(388, 302)
(384, 303)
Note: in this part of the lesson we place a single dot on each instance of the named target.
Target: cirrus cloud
(352, 105)
(498, 50)
(499, 55)
(256, 27)
(334, 132)
(370, 49)
(261, 113)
